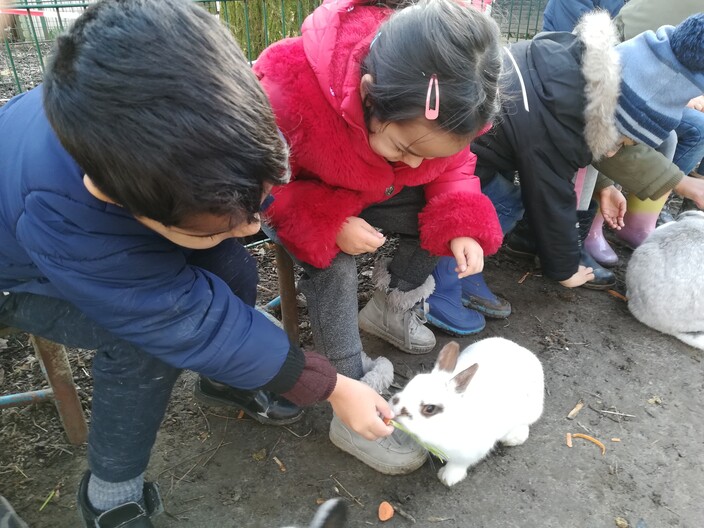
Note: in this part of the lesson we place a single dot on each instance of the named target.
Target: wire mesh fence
(29, 27)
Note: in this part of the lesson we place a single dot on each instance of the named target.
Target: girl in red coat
(379, 108)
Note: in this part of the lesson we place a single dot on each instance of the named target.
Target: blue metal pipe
(25, 398)
(274, 303)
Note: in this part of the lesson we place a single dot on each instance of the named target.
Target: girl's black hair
(157, 104)
(449, 39)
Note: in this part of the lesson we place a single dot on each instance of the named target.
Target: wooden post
(287, 291)
(58, 372)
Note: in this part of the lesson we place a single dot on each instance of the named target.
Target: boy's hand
(583, 275)
(613, 206)
(692, 188)
(357, 237)
(361, 408)
(469, 256)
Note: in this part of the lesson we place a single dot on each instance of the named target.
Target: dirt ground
(641, 389)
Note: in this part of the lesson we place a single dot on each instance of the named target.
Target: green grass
(431, 449)
(258, 23)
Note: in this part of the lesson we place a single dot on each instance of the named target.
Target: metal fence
(29, 27)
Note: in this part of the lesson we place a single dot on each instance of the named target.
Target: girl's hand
(361, 408)
(357, 237)
(469, 256)
(613, 206)
(583, 275)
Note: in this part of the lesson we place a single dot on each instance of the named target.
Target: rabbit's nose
(394, 400)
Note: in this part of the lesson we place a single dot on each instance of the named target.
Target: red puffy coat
(313, 84)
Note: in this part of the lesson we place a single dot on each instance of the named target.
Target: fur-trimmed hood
(336, 39)
(602, 76)
(575, 78)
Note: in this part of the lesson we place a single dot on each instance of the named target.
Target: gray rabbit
(665, 279)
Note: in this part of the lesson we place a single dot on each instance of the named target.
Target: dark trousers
(331, 293)
(131, 389)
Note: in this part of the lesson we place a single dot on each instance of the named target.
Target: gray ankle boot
(398, 317)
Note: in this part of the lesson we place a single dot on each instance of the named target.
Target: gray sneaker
(402, 328)
(397, 454)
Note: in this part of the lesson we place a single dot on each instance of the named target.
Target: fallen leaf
(655, 400)
(621, 522)
(259, 455)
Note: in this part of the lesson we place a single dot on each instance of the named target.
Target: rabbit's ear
(463, 378)
(447, 358)
(332, 514)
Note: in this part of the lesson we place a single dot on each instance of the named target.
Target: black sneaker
(128, 515)
(263, 406)
(520, 242)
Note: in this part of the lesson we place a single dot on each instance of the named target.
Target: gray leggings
(331, 293)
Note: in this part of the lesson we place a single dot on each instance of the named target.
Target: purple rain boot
(597, 246)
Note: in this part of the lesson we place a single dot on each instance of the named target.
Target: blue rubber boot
(446, 310)
(477, 296)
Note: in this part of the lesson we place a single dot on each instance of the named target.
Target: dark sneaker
(128, 515)
(263, 406)
(520, 242)
(603, 279)
(476, 295)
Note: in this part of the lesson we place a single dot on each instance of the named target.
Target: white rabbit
(664, 280)
(464, 420)
(331, 514)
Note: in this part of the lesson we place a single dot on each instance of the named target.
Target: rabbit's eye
(430, 410)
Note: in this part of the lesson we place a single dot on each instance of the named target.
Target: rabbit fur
(492, 391)
(664, 281)
(331, 514)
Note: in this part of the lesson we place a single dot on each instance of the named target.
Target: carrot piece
(387, 421)
(591, 439)
(386, 511)
(617, 295)
(573, 413)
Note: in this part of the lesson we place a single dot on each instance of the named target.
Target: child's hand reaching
(361, 408)
(697, 103)
(613, 206)
(583, 275)
(469, 256)
(357, 237)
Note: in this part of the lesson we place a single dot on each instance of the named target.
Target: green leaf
(432, 449)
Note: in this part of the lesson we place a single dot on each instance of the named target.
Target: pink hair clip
(431, 114)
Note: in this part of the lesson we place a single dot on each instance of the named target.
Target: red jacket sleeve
(308, 215)
(456, 207)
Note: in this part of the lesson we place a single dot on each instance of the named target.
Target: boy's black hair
(448, 38)
(156, 102)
